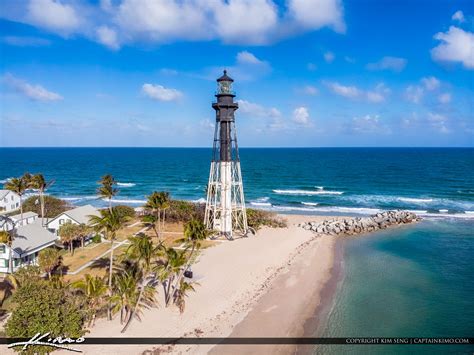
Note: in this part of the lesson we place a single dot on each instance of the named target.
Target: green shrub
(52, 206)
(184, 211)
(40, 306)
(258, 218)
(96, 238)
(125, 211)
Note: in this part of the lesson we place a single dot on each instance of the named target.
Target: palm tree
(194, 233)
(82, 232)
(181, 294)
(153, 205)
(107, 190)
(95, 289)
(150, 221)
(17, 185)
(38, 182)
(168, 268)
(124, 290)
(142, 251)
(165, 204)
(68, 233)
(108, 223)
(49, 259)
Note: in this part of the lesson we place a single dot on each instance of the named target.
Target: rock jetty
(359, 225)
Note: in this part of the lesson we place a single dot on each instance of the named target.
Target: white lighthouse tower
(225, 204)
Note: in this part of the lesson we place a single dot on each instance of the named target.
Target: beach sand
(266, 285)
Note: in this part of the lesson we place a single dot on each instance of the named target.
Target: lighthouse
(225, 204)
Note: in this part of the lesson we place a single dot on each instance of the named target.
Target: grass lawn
(83, 255)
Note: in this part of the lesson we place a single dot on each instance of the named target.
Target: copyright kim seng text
(422, 341)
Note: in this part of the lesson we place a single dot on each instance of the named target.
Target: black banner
(262, 341)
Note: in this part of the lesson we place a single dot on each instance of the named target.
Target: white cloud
(377, 95)
(315, 14)
(160, 93)
(108, 37)
(456, 45)
(53, 15)
(414, 93)
(34, 92)
(368, 124)
(245, 57)
(430, 83)
(310, 90)
(342, 90)
(206, 124)
(444, 98)
(253, 109)
(329, 57)
(388, 63)
(438, 122)
(458, 16)
(301, 116)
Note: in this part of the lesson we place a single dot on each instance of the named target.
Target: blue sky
(307, 72)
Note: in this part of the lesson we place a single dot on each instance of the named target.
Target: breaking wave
(126, 184)
(307, 192)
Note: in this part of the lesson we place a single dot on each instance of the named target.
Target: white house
(9, 201)
(29, 240)
(78, 215)
(28, 218)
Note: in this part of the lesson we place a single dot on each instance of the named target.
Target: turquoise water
(416, 281)
(413, 281)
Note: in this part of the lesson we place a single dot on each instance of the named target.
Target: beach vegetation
(259, 218)
(107, 189)
(52, 206)
(94, 289)
(156, 205)
(49, 259)
(39, 183)
(125, 211)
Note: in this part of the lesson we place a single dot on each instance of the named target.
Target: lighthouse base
(225, 206)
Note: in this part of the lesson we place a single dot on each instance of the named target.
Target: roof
(17, 217)
(32, 236)
(225, 77)
(80, 214)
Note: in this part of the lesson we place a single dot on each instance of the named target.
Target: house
(9, 201)
(29, 240)
(78, 215)
(28, 218)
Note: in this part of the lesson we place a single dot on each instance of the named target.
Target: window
(11, 197)
(13, 207)
(16, 262)
(2, 249)
(3, 263)
(61, 221)
(17, 204)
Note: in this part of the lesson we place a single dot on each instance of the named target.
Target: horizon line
(240, 147)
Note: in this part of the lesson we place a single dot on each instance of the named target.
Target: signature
(44, 339)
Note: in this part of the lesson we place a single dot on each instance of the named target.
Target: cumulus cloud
(249, 22)
(315, 14)
(438, 122)
(257, 110)
(53, 15)
(301, 116)
(444, 98)
(34, 92)
(456, 45)
(368, 124)
(458, 16)
(430, 83)
(108, 37)
(388, 63)
(160, 93)
(377, 95)
(329, 57)
(245, 57)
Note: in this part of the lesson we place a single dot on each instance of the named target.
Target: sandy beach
(264, 285)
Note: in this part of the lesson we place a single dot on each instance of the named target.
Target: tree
(181, 294)
(124, 292)
(107, 189)
(48, 260)
(94, 289)
(68, 233)
(82, 232)
(156, 204)
(108, 222)
(168, 268)
(52, 206)
(18, 185)
(38, 182)
(41, 307)
(142, 251)
(165, 204)
(194, 233)
(8, 238)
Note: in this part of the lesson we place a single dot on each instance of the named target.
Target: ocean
(415, 281)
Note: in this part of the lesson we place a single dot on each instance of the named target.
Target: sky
(308, 73)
